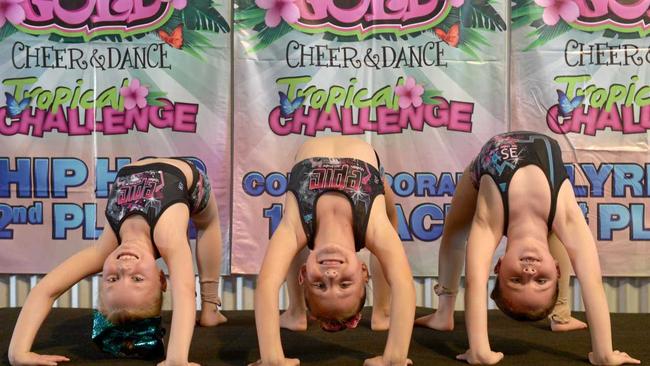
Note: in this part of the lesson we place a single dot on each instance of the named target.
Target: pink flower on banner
(12, 11)
(276, 10)
(134, 94)
(457, 3)
(177, 4)
(410, 93)
(556, 9)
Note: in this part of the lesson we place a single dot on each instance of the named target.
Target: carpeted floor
(67, 332)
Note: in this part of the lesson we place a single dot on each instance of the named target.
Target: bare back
(337, 147)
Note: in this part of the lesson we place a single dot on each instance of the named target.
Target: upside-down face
(334, 280)
(130, 279)
(528, 279)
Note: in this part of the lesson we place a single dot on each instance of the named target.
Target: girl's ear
(364, 271)
(497, 266)
(163, 281)
(302, 274)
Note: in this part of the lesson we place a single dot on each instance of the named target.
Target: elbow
(42, 292)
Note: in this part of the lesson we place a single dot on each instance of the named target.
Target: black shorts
(148, 190)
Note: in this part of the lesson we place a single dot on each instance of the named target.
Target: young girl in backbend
(450, 264)
(148, 209)
(517, 186)
(336, 207)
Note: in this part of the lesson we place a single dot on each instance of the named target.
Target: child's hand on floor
(614, 358)
(34, 359)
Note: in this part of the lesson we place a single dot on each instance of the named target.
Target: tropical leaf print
(527, 13)
(547, 33)
(202, 16)
(199, 18)
(475, 16)
(484, 16)
(7, 30)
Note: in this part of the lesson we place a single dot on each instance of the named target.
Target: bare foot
(573, 324)
(295, 320)
(210, 316)
(380, 319)
(437, 321)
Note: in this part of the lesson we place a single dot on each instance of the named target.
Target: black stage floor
(67, 332)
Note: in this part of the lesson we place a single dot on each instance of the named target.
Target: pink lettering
(597, 10)
(93, 14)
(455, 116)
(185, 117)
(460, 116)
(179, 117)
(7, 129)
(437, 115)
(276, 125)
(349, 128)
(388, 120)
(589, 122)
(329, 121)
(369, 13)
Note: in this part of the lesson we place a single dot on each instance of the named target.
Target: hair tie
(336, 326)
(136, 339)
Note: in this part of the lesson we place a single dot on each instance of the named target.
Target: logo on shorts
(336, 177)
(142, 186)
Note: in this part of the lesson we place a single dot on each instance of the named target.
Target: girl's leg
(295, 317)
(452, 254)
(208, 260)
(561, 320)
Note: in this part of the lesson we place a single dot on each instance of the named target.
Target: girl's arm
(451, 255)
(283, 247)
(171, 241)
(484, 236)
(380, 288)
(40, 299)
(383, 242)
(573, 231)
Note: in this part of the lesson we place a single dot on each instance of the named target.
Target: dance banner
(423, 81)
(89, 86)
(580, 74)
